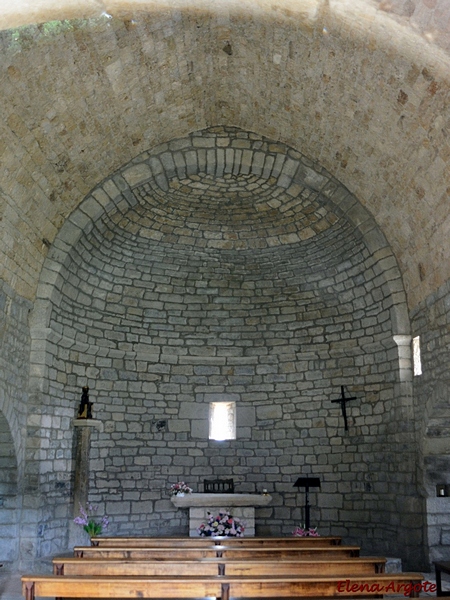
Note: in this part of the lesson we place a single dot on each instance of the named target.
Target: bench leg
(438, 581)
(225, 591)
(439, 591)
(29, 590)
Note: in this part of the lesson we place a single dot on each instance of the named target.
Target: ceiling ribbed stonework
(228, 204)
(359, 88)
(246, 193)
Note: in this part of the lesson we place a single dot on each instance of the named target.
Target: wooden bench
(222, 587)
(217, 566)
(439, 568)
(213, 551)
(201, 541)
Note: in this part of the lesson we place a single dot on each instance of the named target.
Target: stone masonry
(227, 266)
(14, 365)
(432, 323)
(155, 248)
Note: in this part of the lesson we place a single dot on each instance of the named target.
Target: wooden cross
(342, 400)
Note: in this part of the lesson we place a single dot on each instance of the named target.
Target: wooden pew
(217, 566)
(217, 586)
(182, 542)
(212, 551)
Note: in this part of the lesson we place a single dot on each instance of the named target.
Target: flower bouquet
(223, 524)
(90, 524)
(180, 489)
(302, 532)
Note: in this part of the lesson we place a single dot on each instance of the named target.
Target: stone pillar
(404, 356)
(83, 428)
(403, 390)
(82, 447)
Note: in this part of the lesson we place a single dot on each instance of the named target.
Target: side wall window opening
(417, 361)
(222, 421)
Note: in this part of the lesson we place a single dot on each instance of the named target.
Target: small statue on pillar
(85, 410)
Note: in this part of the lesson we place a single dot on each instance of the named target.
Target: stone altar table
(241, 506)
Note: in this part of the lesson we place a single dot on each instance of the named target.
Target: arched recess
(9, 498)
(188, 156)
(227, 262)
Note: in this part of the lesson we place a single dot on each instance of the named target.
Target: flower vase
(180, 494)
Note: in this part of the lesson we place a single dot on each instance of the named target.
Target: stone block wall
(168, 59)
(9, 498)
(431, 321)
(14, 365)
(227, 266)
(323, 94)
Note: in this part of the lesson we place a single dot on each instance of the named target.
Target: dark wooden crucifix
(342, 401)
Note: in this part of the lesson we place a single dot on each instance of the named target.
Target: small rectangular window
(222, 421)
(417, 361)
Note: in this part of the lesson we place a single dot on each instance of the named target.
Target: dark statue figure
(85, 410)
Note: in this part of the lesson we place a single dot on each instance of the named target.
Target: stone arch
(282, 233)
(196, 153)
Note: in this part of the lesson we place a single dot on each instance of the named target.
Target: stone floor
(10, 587)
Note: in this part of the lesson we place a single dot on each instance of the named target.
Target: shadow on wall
(437, 470)
(8, 495)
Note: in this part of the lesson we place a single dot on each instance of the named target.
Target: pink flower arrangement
(302, 532)
(90, 524)
(179, 488)
(223, 525)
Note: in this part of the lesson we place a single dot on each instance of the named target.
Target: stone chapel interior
(220, 201)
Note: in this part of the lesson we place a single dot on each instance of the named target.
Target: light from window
(417, 361)
(222, 421)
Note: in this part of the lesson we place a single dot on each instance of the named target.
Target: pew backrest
(223, 551)
(198, 542)
(218, 566)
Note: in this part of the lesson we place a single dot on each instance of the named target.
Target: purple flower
(88, 522)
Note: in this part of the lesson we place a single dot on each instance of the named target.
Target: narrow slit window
(417, 361)
(222, 421)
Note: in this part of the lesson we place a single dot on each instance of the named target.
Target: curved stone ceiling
(364, 97)
(227, 189)
(226, 201)
(424, 17)
(231, 210)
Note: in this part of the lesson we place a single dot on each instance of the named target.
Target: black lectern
(307, 482)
